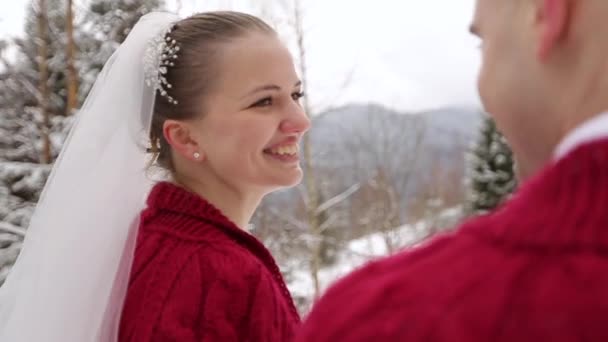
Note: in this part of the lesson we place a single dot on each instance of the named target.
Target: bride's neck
(238, 206)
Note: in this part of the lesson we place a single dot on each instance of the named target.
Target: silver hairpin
(160, 54)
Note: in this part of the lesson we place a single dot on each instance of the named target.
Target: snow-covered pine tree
(108, 22)
(21, 176)
(115, 18)
(22, 121)
(22, 125)
(490, 170)
(56, 40)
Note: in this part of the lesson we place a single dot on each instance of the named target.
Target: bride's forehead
(249, 62)
(253, 47)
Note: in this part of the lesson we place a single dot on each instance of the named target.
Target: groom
(537, 268)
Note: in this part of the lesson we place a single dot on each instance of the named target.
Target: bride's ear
(180, 137)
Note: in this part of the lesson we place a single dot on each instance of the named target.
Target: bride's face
(253, 122)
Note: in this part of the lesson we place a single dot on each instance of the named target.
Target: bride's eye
(267, 101)
(297, 95)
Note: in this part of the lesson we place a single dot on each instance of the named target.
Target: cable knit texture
(197, 277)
(535, 270)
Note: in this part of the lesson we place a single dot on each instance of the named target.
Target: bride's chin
(288, 179)
(296, 178)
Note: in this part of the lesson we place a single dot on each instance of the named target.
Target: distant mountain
(446, 133)
(441, 124)
(449, 123)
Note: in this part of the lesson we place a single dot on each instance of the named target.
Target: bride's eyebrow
(263, 88)
(269, 87)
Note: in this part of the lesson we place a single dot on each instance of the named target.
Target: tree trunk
(309, 171)
(72, 100)
(43, 100)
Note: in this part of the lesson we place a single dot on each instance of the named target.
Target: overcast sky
(406, 54)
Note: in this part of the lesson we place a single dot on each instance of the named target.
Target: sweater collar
(173, 198)
(593, 129)
(564, 206)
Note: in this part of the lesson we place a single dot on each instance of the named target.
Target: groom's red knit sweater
(535, 270)
(198, 277)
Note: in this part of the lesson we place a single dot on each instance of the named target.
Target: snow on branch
(9, 228)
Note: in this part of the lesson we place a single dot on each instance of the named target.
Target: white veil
(69, 281)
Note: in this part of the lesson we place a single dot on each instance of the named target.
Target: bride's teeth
(283, 150)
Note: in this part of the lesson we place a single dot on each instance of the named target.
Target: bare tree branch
(337, 199)
(289, 219)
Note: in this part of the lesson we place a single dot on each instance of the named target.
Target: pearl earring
(197, 155)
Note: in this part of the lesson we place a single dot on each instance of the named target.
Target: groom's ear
(180, 137)
(552, 19)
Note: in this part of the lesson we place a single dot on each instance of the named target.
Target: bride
(112, 255)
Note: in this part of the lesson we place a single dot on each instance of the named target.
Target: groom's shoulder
(428, 259)
(415, 284)
(412, 266)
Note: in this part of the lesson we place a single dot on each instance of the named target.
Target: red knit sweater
(535, 270)
(198, 277)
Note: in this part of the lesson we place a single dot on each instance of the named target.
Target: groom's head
(544, 71)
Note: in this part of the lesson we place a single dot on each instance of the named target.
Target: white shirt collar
(591, 130)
